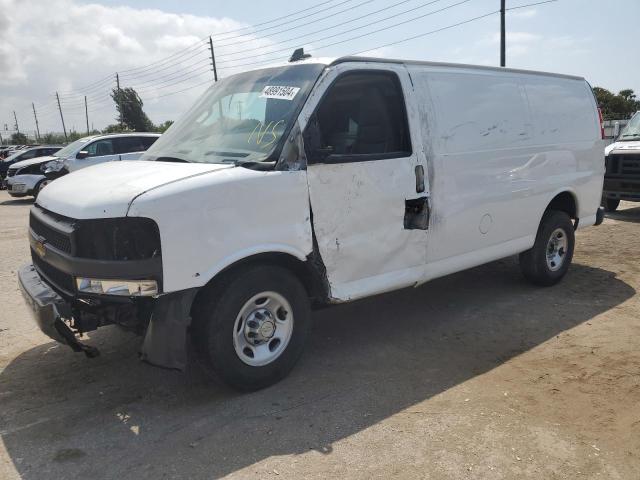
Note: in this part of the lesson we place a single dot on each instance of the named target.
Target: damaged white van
(311, 183)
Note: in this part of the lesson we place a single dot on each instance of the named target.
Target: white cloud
(63, 45)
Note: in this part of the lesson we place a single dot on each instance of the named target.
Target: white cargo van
(309, 183)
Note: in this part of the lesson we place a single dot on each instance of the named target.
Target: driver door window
(100, 148)
(363, 117)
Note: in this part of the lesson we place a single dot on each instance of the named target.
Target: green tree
(130, 112)
(616, 106)
(19, 138)
(163, 126)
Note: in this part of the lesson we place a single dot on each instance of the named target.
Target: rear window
(563, 110)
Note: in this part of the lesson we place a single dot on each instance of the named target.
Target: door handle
(419, 178)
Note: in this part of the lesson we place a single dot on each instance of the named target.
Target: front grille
(53, 237)
(58, 278)
(630, 165)
(623, 164)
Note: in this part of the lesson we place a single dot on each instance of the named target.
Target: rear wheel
(548, 261)
(610, 204)
(251, 327)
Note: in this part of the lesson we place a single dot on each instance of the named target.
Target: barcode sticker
(280, 92)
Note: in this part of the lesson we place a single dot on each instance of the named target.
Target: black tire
(38, 188)
(215, 313)
(610, 204)
(533, 262)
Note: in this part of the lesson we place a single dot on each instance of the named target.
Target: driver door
(367, 185)
(100, 151)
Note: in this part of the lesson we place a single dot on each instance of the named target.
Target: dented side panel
(359, 210)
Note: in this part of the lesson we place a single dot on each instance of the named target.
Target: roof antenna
(298, 54)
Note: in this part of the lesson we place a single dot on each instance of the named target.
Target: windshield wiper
(227, 154)
(263, 165)
(171, 159)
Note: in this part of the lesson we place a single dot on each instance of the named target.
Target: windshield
(14, 156)
(72, 148)
(632, 130)
(242, 118)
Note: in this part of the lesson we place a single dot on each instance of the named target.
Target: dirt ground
(477, 375)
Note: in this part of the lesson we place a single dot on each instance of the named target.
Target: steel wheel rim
(262, 329)
(557, 247)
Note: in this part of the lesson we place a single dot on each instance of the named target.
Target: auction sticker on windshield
(280, 92)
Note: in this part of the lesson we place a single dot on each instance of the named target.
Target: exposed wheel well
(307, 272)
(564, 202)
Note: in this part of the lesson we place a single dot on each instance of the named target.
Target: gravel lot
(476, 375)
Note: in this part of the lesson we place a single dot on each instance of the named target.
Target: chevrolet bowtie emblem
(40, 250)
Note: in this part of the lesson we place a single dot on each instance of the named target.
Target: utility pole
(503, 40)
(37, 126)
(16, 119)
(64, 129)
(213, 60)
(119, 99)
(86, 113)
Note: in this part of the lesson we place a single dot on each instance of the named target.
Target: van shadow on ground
(63, 416)
(626, 215)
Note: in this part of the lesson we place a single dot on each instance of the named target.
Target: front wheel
(40, 187)
(548, 261)
(250, 329)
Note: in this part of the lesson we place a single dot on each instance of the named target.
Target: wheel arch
(307, 270)
(565, 201)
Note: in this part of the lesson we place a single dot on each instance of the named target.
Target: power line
(355, 37)
(280, 18)
(204, 39)
(175, 65)
(333, 14)
(170, 65)
(530, 5)
(480, 17)
(343, 23)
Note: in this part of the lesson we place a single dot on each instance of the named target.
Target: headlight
(125, 288)
(52, 166)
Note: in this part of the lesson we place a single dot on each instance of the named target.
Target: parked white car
(314, 182)
(28, 177)
(25, 154)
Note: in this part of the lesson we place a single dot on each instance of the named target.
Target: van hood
(32, 161)
(106, 190)
(633, 145)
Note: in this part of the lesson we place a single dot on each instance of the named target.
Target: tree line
(620, 106)
(131, 118)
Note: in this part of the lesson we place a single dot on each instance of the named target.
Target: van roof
(452, 65)
(355, 58)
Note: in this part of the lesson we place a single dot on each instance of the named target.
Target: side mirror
(82, 154)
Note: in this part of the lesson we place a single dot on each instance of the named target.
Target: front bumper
(622, 188)
(165, 338)
(16, 188)
(49, 310)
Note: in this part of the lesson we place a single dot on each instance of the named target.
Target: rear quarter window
(562, 110)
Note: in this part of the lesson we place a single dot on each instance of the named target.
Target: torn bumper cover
(49, 310)
(165, 338)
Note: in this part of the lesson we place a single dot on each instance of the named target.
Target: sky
(75, 47)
